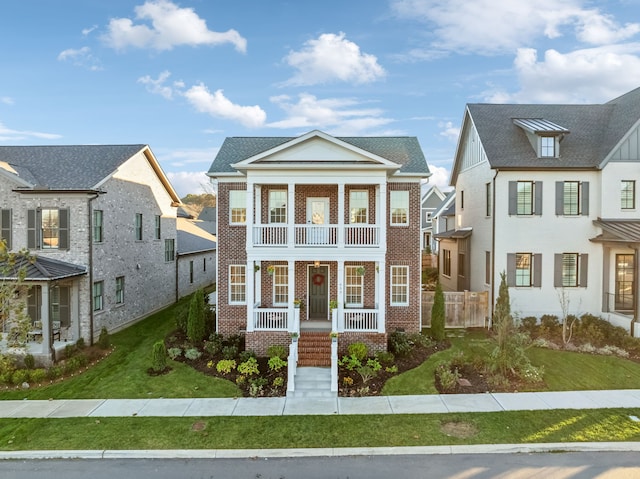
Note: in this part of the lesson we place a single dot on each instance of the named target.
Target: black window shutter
(63, 231)
(5, 226)
(511, 269)
(538, 199)
(537, 270)
(585, 198)
(557, 270)
(559, 198)
(513, 198)
(584, 273)
(32, 229)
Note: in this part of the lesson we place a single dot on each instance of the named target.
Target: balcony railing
(316, 236)
(271, 319)
(360, 319)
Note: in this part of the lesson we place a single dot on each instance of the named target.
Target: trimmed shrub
(398, 343)
(192, 354)
(38, 375)
(246, 355)
(358, 351)
(230, 352)
(104, 341)
(437, 314)
(276, 363)
(277, 350)
(20, 376)
(29, 361)
(159, 357)
(174, 353)
(225, 366)
(249, 367)
(196, 328)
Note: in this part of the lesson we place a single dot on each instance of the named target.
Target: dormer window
(544, 135)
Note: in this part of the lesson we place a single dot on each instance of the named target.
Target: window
(48, 228)
(399, 285)
(120, 290)
(570, 270)
(169, 250)
(34, 303)
(237, 207)
(487, 267)
(158, 227)
(399, 207)
(204, 264)
(628, 195)
(523, 269)
(237, 284)
(462, 199)
(277, 206)
(280, 285)
(138, 226)
(97, 226)
(97, 295)
(358, 206)
(547, 147)
(5, 226)
(191, 272)
(572, 198)
(487, 197)
(446, 262)
(354, 283)
(461, 264)
(525, 198)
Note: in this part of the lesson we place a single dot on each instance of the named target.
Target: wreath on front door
(318, 279)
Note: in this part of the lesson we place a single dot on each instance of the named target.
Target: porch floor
(315, 325)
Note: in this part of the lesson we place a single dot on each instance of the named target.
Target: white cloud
(185, 157)
(185, 182)
(331, 58)
(87, 31)
(6, 100)
(81, 58)
(219, 106)
(439, 177)
(591, 75)
(7, 134)
(498, 26)
(449, 131)
(339, 116)
(171, 26)
(158, 86)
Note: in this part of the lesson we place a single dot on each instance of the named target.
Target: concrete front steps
(312, 382)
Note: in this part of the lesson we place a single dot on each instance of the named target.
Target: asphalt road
(573, 465)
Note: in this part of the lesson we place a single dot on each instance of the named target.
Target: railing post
(292, 364)
(334, 364)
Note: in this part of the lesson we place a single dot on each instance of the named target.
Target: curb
(323, 452)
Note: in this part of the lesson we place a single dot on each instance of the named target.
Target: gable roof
(191, 238)
(446, 206)
(596, 129)
(72, 167)
(432, 197)
(402, 151)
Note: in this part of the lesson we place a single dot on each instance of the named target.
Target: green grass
(317, 431)
(123, 374)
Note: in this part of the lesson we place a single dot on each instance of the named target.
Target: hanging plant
(271, 269)
(360, 271)
(256, 267)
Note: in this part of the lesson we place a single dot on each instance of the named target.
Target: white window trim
(366, 206)
(280, 271)
(405, 285)
(244, 301)
(392, 207)
(271, 206)
(351, 271)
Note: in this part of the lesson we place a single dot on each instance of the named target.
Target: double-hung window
(5, 226)
(138, 226)
(525, 198)
(158, 227)
(628, 194)
(97, 226)
(446, 262)
(399, 208)
(237, 207)
(570, 270)
(523, 269)
(277, 206)
(280, 285)
(98, 292)
(547, 146)
(358, 206)
(572, 198)
(353, 291)
(120, 290)
(48, 228)
(169, 250)
(399, 285)
(237, 284)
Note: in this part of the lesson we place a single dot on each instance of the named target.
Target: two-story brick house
(323, 220)
(101, 222)
(547, 194)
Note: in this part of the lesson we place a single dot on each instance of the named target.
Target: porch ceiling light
(316, 264)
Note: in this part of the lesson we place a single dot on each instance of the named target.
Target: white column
(250, 293)
(382, 218)
(293, 327)
(258, 203)
(47, 327)
(381, 289)
(340, 297)
(250, 215)
(291, 209)
(341, 212)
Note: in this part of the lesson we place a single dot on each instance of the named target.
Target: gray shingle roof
(404, 151)
(595, 131)
(67, 167)
(192, 238)
(46, 269)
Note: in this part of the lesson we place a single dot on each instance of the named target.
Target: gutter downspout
(493, 247)
(90, 203)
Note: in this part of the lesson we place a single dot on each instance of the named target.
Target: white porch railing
(271, 319)
(360, 319)
(334, 365)
(361, 235)
(270, 235)
(292, 365)
(316, 235)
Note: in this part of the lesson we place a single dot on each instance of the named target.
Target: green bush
(213, 345)
(37, 376)
(29, 361)
(182, 317)
(246, 355)
(447, 377)
(54, 372)
(369, 370)
(80, 344)
(358, 351)
(104, 341)
(159, 357)
(385, 357)
(225, 366)
(230, 352)
(438, 314)
(350, 363)
(278, 382)
(20, 376)
(550, 327)
(249, 367)
(277, 350)
(174, 353)
(419, 339)
(276, 363)
(192, 354)
(530, 325)
(399, 344)
(196, 328)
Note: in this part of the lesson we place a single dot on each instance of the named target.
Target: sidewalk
(430, 404)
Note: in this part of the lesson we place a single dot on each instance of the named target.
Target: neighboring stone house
(101, 223)
(548, 195)
(321, 220)
(196, 257)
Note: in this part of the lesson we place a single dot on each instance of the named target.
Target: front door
(318, 292)
(625, 284)
(318, 219)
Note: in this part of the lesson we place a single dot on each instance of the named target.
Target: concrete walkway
(429, 404)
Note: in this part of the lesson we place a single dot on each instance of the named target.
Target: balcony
(304, 236)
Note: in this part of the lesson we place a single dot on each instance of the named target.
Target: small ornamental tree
(159, 357)
(196, 328)
(438, 314)
(13, 307)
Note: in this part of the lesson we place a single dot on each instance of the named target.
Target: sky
(182, 75)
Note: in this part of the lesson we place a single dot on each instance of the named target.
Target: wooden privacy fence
(465, 309)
